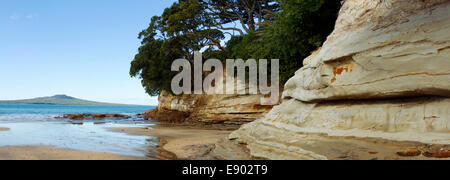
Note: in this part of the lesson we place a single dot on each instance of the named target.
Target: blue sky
(81, 48)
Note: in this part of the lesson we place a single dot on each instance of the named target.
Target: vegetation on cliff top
(266, 29)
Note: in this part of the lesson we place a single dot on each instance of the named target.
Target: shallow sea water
(36, 125)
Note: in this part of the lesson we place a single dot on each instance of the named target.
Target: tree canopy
(268, 29)
(300, 27)
(249, 14)
(177, 33)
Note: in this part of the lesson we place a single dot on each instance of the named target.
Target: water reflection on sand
(88, 136)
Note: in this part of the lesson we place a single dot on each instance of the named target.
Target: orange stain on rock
(332, 80)
(340, 69)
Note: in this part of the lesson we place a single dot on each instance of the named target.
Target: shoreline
(54, 153)
(182, 141)
(173, 142)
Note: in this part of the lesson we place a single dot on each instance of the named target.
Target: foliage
(284, 29)
(177, 33)
(249, 14)
(301, 27)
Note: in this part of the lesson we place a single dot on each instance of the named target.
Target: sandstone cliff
(379, 88)
(232, 110)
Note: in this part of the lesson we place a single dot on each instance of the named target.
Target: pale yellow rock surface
(380, 49)
(230, 109)
(310, 58)
(380, 85)
(216, 109)
(184, 103)
(284, 130)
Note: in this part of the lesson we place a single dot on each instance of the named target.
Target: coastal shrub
(288, 30)
(298, 29)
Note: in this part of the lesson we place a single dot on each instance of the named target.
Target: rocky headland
(379, 88)
(227, 110)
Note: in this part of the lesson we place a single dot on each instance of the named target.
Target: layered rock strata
(379, 88)
(233, 110)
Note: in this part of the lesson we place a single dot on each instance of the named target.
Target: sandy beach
(186, 142)
(52, 153)
(174, 142)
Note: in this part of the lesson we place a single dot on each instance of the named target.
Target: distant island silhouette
(60, 99)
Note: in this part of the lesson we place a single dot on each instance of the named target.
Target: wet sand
(174, 142)
(52, 153)
(186, 142)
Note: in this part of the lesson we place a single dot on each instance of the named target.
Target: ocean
(40, 112)
(35, 125)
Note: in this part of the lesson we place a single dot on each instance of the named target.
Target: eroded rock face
(379, 87)
(329, 130)
(233, 110)
(230, 109)
(183, 103)
(380, 49)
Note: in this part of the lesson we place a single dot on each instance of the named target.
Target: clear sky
(81, 48)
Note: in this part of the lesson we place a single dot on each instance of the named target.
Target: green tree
(177, 33)
(271, 29)
(299, 28)
(249, 14)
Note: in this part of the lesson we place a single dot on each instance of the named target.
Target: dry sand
(184, 141)
(52, 153)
